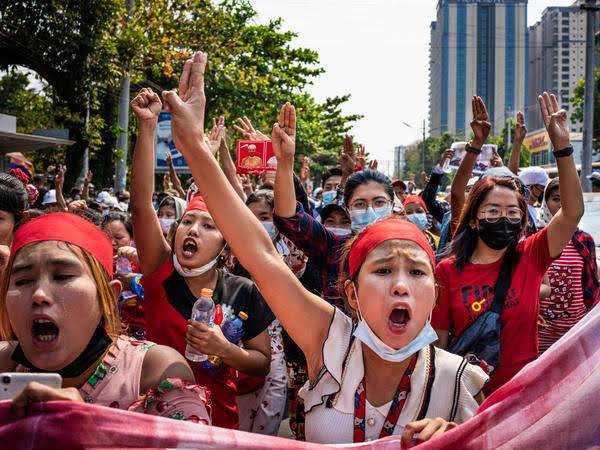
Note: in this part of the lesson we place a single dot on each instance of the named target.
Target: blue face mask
(360, 219)
(270, 227)
(419, 219)
(329, 197)
(365, 335)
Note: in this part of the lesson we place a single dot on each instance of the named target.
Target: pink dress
(116, 384)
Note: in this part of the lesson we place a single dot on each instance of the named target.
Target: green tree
(83, 47)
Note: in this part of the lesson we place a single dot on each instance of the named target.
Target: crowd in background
(369, 308)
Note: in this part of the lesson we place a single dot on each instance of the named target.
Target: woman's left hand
(426, 429)
(208, 340)
(36, 392)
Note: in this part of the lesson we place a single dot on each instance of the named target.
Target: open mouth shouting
(190, 248)
(398, 319)
(44, 332)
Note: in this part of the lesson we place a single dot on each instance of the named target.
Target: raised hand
(248, 131)
(59, 180)
(284, 134)
(373, 165)
(520, 129)
(348, 158)
(480, 125)
(217, 134)
(496, 159)
(88, 177)
(146, 105)
(361, 159)
(305, 169)
(187, 108)
(555, 120)
(169, 159)
(446, 155)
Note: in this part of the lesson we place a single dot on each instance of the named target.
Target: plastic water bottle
(233, 330)
(202, 311)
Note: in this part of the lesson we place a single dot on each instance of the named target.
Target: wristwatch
(471, 149)
(567, 151)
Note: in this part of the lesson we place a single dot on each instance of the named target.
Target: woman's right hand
(284, 134)
(146, 106)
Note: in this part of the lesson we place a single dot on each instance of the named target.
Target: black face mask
(98, 344)
(500, 233)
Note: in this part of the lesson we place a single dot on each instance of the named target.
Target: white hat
(49, 197)
(534, 175)
(594, 176)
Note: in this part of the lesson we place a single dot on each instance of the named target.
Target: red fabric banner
(553, 403)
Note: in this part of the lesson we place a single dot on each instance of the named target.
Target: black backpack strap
(428, 385)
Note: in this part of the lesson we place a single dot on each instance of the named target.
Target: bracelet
(470, 149)
(567, 151)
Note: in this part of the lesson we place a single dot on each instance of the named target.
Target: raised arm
(565, 221)
(227, 163)
(430, 191)
(151, 245)
(285, 193)
(481, 129)
(59, 182)
(174, 177)
(85, 191)
(293, 305)
(519, 137)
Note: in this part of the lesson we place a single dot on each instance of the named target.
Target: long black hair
(466, 236)
(13, 196)
(363, 177)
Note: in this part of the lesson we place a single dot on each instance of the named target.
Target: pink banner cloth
(553, 403)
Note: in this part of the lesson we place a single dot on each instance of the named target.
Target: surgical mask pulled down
(360, 219)
(367, 336)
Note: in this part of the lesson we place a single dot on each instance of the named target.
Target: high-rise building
(556, 59)
(477, 47)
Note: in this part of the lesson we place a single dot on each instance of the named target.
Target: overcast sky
(376, 50)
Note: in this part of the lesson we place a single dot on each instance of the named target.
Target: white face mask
(339, 231)
(364, 334)
(196, 272)
(165, 224)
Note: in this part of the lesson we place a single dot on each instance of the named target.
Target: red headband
(381, 231)
(196, 202)
(66, 227)
(409, 199)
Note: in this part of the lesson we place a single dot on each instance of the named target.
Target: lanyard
(360, 402)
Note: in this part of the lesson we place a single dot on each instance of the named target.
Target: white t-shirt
(341, 375)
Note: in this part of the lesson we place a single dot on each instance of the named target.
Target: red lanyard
(360, 405)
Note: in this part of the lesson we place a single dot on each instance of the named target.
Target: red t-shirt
(459, 291)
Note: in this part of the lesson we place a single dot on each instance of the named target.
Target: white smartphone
(13, 383)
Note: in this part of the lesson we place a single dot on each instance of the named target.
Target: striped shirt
(564, 307)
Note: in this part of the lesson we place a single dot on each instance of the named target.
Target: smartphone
(13, 383)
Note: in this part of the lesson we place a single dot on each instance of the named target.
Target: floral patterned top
(116, 383)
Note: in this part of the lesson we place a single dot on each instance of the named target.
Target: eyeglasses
(494, 213)
(362, 205)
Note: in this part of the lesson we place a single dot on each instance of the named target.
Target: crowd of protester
(369, 308)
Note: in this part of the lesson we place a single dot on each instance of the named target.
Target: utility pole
(121, 167)
(588, 113)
